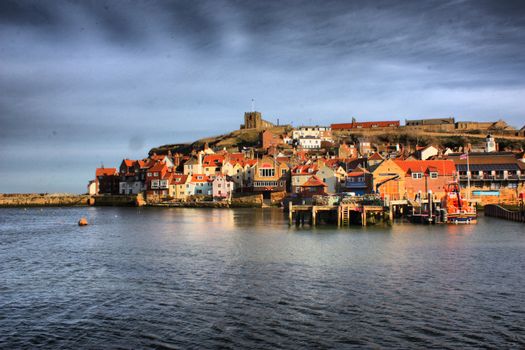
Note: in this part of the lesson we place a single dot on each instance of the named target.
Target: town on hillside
(383, 158)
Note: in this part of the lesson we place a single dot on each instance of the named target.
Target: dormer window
(433, 175)
(199, 177)
(417, 175)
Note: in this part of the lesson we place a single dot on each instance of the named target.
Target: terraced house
(270, 176)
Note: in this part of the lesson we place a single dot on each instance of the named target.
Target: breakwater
(42, 200)
(502, 213)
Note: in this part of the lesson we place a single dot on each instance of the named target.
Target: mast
(468, 177)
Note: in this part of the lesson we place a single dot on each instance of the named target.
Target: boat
(457, 209)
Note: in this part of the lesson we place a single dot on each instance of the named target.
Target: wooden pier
(343, 212)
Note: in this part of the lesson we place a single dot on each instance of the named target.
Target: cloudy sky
(90, 82)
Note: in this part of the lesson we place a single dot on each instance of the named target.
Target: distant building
(270, 139)
(310, 142)
(347, 151)
(366, 125)
(254, 120)
(432, 121)
(364, 146)
(490, 144)
(322, 132)
(427, 152)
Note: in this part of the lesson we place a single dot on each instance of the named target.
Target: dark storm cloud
(85, 82)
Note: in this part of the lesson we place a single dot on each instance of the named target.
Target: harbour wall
(42, 200)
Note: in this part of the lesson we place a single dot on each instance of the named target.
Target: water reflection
(201, 278)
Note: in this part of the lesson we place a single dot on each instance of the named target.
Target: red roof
(178, 179)
(158, 167)
(203, 178)
(129, 162)
(313, 182)
(305, 169)
(356, 173)
(212, 160)
(375, 156)
(443, 167)
(106, 171)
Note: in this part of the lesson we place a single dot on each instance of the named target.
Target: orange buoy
(82, 222)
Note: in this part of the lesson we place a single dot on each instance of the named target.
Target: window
(417, 175)
(149, 174)
(433, 175)
(155, 174)
(267, 172)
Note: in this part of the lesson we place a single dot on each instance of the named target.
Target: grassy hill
(234, 140)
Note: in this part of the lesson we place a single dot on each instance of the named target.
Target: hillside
(235, 139)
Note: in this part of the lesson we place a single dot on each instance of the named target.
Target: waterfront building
(300, 174)
(222, 187)
(422, 176)
(359, 181)
(496, 174)
(199, 184)
(132, 180)
(270, 176)
(177, 188)
(157, 181)
(328, 176)
(106, 181)
(312, 187)
(388, 179)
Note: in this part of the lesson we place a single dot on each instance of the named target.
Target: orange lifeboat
(458, 210)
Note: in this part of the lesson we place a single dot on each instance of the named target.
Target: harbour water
(220, 278)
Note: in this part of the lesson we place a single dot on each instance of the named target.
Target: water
(197, 278)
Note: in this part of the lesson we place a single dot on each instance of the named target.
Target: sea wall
(116, 200)
(42, 200)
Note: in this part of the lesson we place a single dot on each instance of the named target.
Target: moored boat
(458, 210)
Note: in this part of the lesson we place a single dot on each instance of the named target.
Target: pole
(468, 178)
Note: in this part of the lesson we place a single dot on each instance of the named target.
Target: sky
(85, 83)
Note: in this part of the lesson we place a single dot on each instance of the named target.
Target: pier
(344, 213)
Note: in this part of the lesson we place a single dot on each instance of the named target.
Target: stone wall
(116, 200)
(42, 200)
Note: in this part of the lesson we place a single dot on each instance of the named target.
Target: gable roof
(106, 171)
(313, 181)
(203, 178)
(178, 179)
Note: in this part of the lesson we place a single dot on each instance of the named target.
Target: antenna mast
(253, 105)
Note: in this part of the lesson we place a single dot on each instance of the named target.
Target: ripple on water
(172, 279)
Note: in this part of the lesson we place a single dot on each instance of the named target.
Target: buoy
(82, 222)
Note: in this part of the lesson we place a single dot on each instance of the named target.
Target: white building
(310, 142)
(322, 132)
